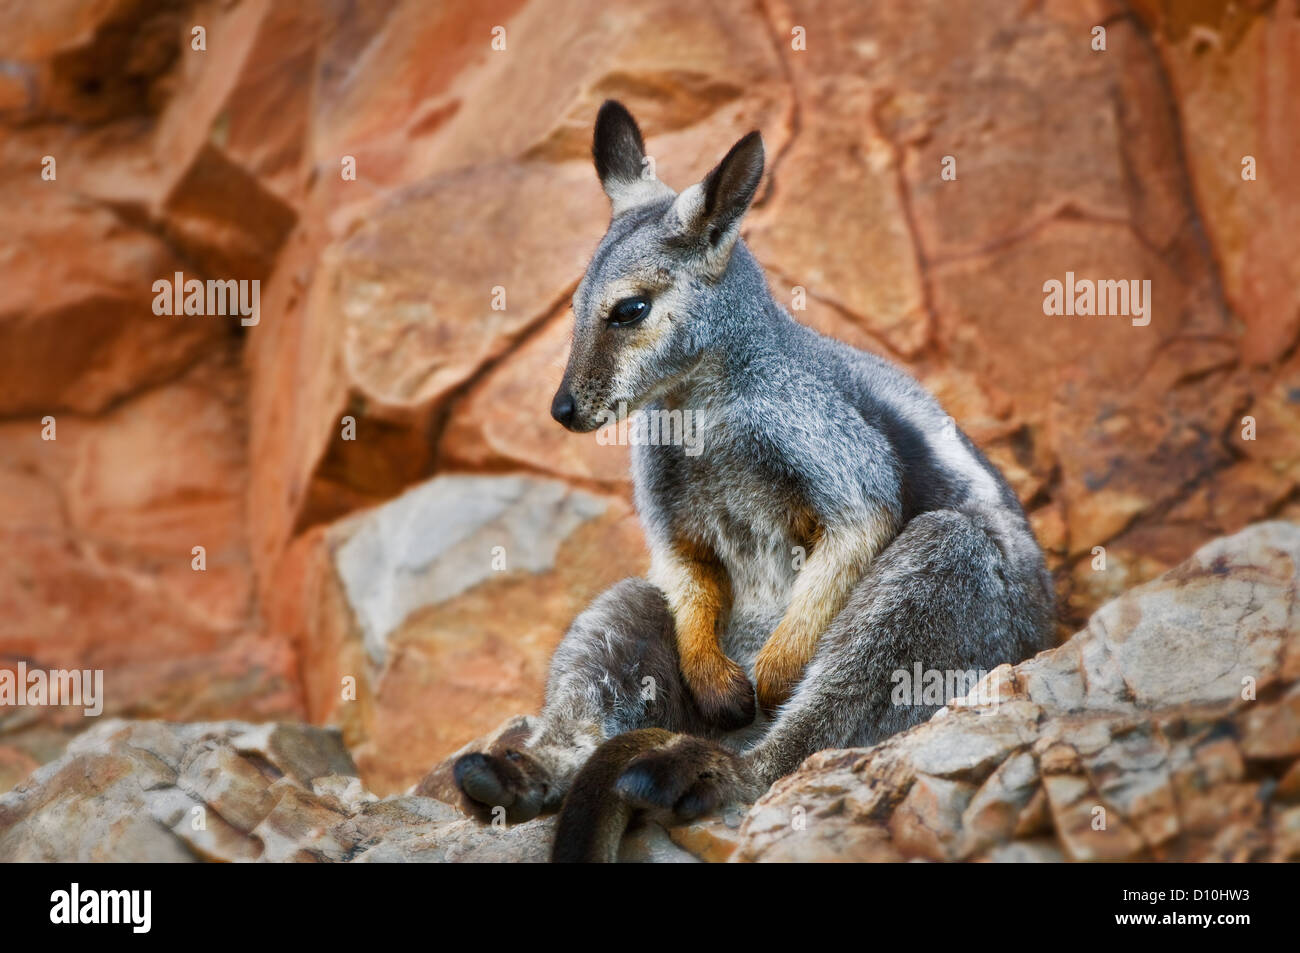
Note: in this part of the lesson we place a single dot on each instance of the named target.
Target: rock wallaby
(832, 530)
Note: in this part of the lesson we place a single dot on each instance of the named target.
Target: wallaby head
(643, 310)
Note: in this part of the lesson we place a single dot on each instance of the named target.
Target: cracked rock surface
(1167, 729)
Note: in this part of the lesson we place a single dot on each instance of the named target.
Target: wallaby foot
(685, 778)
(652, 773)
(512, 781)
(776, 673)
(722, 693)
(593, 818)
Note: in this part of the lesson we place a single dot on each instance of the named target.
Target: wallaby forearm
(695, 587)
(840, 558)
(699, 593)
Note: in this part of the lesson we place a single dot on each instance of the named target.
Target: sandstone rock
(77, 328)
(232, 791)
(162, 792)
(1220, 56)
(15, 765)
(867, 218)
(102, 523)
(397, 318)
(150, 458)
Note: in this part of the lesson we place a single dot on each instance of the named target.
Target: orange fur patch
(699, 593)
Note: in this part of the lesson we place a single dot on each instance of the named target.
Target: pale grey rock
(436, 540)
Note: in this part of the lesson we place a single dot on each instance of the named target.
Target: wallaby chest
(726, 502)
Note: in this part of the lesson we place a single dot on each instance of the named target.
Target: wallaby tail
(594, 815)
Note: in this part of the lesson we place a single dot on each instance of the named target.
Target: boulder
(159, 792)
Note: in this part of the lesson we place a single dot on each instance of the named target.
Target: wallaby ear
(710, 211)
(619, 152)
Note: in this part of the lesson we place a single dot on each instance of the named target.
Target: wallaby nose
(562, 407)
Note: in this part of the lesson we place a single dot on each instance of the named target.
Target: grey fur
(793, 422)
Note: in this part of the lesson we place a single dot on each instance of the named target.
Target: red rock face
(425, 300)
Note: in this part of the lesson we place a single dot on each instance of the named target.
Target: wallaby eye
(628, 311)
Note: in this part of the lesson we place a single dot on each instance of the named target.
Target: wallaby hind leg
(616, 670)
(631, 775)
(952, 593)
(948, 592)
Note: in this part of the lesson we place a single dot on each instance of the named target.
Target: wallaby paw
(775, 678)
(509, 780)
(685, 779)
(723, 696)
